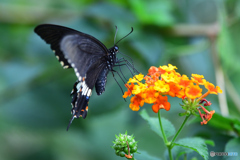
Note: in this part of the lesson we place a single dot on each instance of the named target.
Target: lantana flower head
(164, 81)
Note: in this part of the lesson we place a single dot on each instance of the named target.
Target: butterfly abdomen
(101, 81)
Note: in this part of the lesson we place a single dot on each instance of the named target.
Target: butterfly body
(89, 58)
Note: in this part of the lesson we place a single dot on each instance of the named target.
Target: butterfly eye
(115, 48)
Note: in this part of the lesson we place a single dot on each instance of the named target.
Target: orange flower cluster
(163, 81)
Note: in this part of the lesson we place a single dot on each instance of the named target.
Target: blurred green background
(197, 36)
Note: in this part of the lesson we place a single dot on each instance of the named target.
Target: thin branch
(195, 30)
(219, 74)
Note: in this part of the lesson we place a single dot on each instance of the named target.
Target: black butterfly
(89, 58)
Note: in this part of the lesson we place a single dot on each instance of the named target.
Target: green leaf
(153, 11)
(168, 127)
(210, 142)
(192, 144)
(223, 123)
(144, 155)
(236, 126)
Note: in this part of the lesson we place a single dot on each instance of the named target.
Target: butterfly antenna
(70, 122)
(125, 36)
(115, 34)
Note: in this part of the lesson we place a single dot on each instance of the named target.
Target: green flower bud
(126, 150)
(122, 154)
(117, 152)
(133, 149)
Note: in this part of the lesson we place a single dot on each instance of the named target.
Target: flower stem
(161, 127)
(164, 136)
(179, 130)
(170, 152)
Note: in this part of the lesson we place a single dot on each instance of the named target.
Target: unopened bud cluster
(125, 146)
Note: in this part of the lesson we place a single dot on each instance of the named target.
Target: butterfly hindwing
(79, 100)
(82, 90)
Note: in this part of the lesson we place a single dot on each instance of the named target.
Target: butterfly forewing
(81, 53)
(53, 34)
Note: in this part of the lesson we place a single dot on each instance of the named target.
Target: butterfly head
(115, 49)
